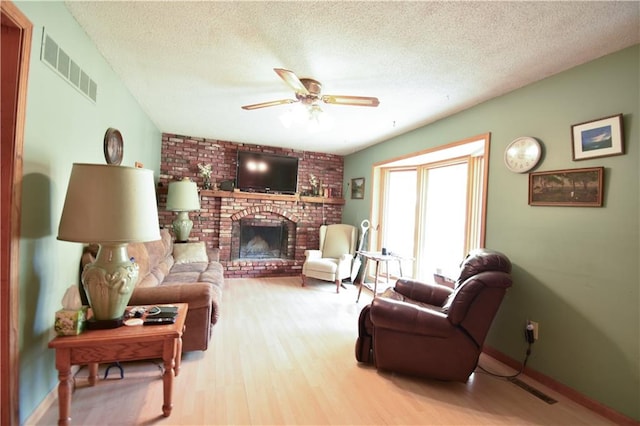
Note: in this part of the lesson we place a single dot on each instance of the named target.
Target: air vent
(533, 391)
(67, 68)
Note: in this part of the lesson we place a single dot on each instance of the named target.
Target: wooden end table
(140, 342)
(377, 257)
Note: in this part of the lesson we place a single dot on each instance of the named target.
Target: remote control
(159, 321)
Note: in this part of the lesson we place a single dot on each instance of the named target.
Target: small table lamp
(182, 197)
(111, 206)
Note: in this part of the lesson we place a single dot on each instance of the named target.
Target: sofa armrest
(433, 294)
(197, 295)
(407, 318)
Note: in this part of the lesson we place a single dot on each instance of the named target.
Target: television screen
(258, 172)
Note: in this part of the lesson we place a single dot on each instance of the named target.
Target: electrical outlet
(528, 333)
(534, 329)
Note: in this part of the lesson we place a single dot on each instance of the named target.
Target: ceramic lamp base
(109, 282)
(182, 227)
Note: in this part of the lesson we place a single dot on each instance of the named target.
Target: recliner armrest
(407, 318)
(312, 254)
(433, 294)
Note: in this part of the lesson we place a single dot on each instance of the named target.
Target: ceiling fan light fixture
(314, 111)
(295, 114)
(310, 117)
(319, 121)
(307, 91)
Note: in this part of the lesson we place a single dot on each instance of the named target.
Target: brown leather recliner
(430, 330)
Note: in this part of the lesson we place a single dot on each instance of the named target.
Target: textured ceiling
(192, 65)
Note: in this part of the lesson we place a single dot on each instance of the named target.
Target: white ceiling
(192, 65)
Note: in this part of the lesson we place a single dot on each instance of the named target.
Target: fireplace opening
(263, 241)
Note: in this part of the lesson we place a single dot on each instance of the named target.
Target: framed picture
(597, 138)
(357, 188)
(570, 187)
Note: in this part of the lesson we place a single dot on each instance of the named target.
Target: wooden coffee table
(94, 347)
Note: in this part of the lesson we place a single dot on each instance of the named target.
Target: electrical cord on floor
(511, 376)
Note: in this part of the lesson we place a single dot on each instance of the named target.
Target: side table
(119, 344)
(377, 257)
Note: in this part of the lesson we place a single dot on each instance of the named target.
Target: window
(443, 218)
(400, 215)
(429, 207)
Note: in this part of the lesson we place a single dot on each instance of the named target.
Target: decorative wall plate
(113, 146)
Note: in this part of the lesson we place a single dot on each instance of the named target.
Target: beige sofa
(177, 273)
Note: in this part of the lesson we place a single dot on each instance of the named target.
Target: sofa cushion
(213, 274)
(195, 268)
(160, 249)
(181, 277)
(149, 280)
(190, 253)
(139, 254)
(162, 269)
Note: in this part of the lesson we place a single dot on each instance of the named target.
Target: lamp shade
(183, 196)
(109, 204)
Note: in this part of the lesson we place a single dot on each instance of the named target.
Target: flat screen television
(270, 173)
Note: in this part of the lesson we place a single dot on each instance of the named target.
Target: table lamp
(111, 206)
(182, 197)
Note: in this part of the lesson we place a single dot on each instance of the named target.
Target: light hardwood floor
(284, 354)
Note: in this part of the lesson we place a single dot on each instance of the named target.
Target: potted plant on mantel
(315, 185)
(205, 171)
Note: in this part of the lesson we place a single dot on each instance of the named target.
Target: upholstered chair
(332, 262)
(434, 331)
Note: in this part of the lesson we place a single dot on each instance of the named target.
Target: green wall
(575, 268)
(63, 127)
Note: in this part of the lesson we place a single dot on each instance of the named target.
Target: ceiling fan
(307, 91)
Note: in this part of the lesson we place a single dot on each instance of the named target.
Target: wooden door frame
(16, 48)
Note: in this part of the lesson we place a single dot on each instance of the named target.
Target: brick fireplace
(284, 226)
(262, 232)
(297, 217)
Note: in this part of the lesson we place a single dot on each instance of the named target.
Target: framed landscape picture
(570, 187)
(357, 188)
(597, 138)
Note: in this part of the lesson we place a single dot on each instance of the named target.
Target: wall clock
(523, 154)
(113, 146)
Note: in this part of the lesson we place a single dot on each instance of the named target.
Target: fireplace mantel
(274, 197)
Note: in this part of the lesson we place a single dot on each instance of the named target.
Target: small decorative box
(70, 322)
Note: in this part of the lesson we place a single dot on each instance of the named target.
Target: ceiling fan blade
(269, 104)
(292, 80)
(351, 100)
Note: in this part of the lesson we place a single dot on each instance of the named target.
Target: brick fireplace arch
(267, 208)
(262, 213)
